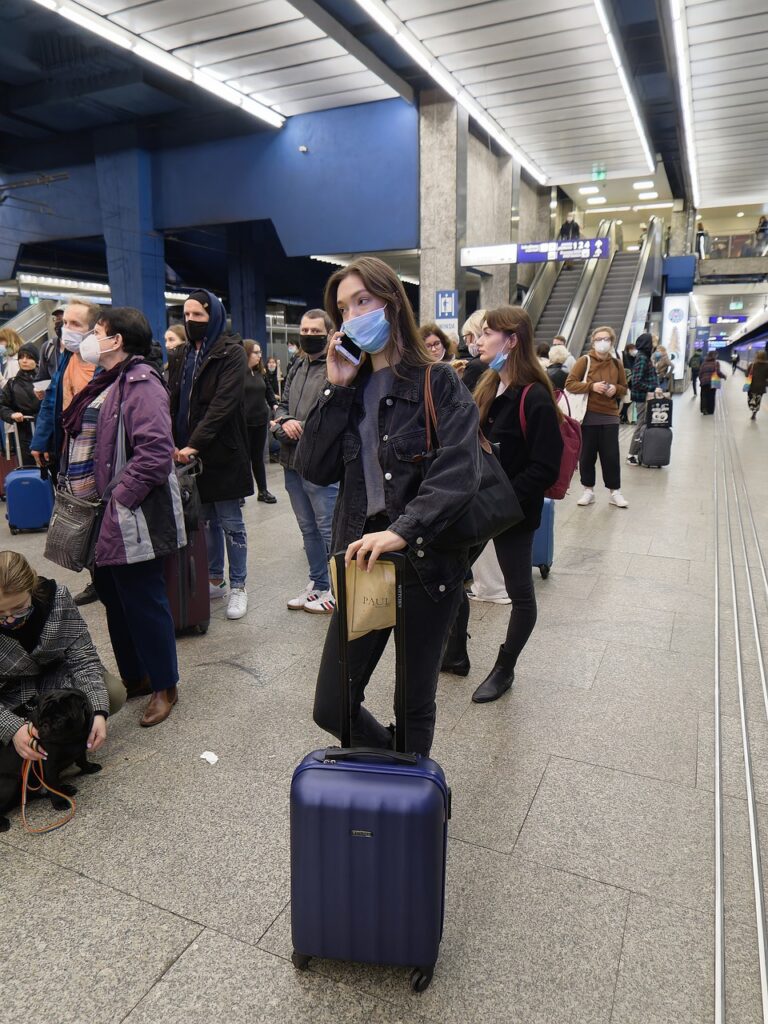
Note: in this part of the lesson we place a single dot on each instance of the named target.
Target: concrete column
(489, 209)
(247, 295)
(534, 221)
(678, 242)
(443, 130)
(135, 251)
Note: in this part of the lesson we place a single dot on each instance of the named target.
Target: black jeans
(602, 441)
(694, 379)
(426, 629)
(257, 440)
(139, 621)
(513, 550)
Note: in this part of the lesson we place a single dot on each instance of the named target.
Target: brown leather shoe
(141, 689)
(159, 707)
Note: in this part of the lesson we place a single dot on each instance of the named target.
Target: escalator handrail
(582, 308)
(34, 322)
(653, 239)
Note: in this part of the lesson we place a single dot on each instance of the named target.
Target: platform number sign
(447, 310)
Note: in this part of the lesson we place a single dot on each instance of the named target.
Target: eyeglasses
(14, 616)
(433, 345)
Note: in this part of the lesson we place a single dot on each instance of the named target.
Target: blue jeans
(224, 520)
(313, 507)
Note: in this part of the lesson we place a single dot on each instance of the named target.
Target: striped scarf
(80, 473)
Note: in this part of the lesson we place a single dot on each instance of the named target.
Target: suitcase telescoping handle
(399, 562)
(349, 754)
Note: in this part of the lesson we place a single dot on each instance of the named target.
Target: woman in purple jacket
(119, 449)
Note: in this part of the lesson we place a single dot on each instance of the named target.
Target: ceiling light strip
(613, 47)
(680, 35)
(106, 29)
(378, 11)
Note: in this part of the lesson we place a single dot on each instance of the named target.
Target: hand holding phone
(341, 369)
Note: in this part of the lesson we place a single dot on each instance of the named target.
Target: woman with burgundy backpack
(519, 414)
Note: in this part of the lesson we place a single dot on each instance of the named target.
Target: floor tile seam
(532, 801)
(621, 956)
(160, 977)
(101, 883)
(274, 919)
(625, 771)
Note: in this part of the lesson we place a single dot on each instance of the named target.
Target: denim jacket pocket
(411, 447)
(350, 447)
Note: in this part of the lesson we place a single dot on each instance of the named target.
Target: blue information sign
(727, 319)
(446, 305)
(702, 337)
(567, 249)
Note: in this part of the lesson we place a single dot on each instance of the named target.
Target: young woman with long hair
(260, 405)
(368, 430)
(531, 458)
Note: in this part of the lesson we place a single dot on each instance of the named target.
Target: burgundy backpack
(570, 431)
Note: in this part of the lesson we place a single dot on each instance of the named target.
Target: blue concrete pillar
(9, 251)
(135, 251)
(247, 294)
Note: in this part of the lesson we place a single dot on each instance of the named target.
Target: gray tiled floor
(580, 872)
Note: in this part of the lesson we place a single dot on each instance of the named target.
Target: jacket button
(327, 392)
(390, 402)
(420, 554)
(441, 588)
(419, 540)
(387, 476)
(385, 438)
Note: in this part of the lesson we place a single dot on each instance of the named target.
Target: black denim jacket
(423, 490)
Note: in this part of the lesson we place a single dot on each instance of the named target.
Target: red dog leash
(26, 785)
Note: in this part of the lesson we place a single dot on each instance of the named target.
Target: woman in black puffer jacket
(18, 403)
(260, 404)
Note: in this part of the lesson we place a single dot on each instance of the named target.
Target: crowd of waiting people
(112, 423)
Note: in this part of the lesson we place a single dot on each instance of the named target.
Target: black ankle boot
(456, 658)
(498, 680)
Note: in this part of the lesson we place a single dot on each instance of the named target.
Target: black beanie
(29, 350)
(201, 297)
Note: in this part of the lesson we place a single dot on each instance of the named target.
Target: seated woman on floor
(45, 645)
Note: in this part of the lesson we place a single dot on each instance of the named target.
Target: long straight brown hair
(523, 363)
(381, 280)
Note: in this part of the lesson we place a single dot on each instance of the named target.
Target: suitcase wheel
(544, 570)
(14, 531)
(300, 961)
(421, 977)
(201, 628)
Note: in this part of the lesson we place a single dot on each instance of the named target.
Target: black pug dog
(63, 719)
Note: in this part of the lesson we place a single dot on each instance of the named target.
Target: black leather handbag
(493, 509)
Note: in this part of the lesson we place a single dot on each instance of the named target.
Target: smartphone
(349, 349)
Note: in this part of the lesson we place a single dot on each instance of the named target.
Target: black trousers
(707, 400)
(694, 379)
(426, 630)
(257, 440)
(602, 441)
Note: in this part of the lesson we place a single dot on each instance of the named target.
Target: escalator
(35, 323)
(616, 295)
(556, 306)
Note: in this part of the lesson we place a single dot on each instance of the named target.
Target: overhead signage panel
(727, 319)
(536, 252)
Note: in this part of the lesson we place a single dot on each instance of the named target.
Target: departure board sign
(536, 252)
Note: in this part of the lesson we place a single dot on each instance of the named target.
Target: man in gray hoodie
(312, 505)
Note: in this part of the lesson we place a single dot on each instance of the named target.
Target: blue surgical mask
(498, 361)
(3, 350)
(370, 332)
(71, 339)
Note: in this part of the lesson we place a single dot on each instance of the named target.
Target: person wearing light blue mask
(368, 429)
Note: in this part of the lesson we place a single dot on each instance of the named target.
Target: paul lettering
(376, 602)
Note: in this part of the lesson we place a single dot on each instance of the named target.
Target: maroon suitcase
(186, 583)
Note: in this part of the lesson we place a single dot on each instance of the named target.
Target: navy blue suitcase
(29, 500)
(369, 833)
(544, 539)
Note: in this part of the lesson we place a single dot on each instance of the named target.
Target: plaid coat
(63, 658)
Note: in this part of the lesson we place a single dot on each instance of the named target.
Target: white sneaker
(217, 590)
(320, 602)
(587, 498)
(618, 499)
(238, 603)
(297, 603)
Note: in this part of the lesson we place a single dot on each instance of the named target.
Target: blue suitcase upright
(544, 539)
(369, 831)
(29, 500)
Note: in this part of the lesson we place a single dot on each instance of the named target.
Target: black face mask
(196, 330)
(312, 344)
(57, 330)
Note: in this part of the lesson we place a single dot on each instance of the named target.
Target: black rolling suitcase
(369, 830)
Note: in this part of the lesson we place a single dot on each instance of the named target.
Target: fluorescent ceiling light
(337, 261)
(740, 213)
(106, 29)
(605, 23)
(415, 49)
(589, 190)
(597, 200)
(642, 184)
(680, 35)
(62, 282)
(553, 204)
(654, 206)
(609, 209)
(648, 195)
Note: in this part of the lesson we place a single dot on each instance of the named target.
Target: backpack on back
(570, 431)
